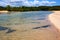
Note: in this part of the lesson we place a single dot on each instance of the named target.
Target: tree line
(24, 8)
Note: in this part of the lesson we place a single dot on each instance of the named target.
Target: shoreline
(54, 18)
(18, 11)
(3, 11)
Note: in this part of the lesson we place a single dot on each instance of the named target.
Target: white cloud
(47, 2)
(44, 2)
(26, 2)
(18, 0)
(14, 0)
(38, 3)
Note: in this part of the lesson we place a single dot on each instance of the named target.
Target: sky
(29, 2)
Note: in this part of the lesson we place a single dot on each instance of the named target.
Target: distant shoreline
(3, 11)
(15, 11)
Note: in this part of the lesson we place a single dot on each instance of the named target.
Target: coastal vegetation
(24, 8)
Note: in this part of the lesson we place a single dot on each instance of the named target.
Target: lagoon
(32, 25)
(17, 18)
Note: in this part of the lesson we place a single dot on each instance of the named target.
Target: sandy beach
(55, 20)
(30, 31)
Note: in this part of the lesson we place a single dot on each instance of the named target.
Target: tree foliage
(24, 8)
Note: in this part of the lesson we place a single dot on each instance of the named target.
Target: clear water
(18, 18)
(26, 26)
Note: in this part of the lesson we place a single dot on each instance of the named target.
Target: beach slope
(55, 19)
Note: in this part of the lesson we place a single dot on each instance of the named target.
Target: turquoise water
(18, 18)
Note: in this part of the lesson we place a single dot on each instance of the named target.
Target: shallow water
(24, 20)
(26, 26)
(17, 18)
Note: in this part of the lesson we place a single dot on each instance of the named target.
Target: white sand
(55, 20)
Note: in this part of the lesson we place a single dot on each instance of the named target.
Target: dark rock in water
(3, 28)
(45, 26)
(10, 30)
(35, 22)
(36, 27)
(42, 27)
(41, 19)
